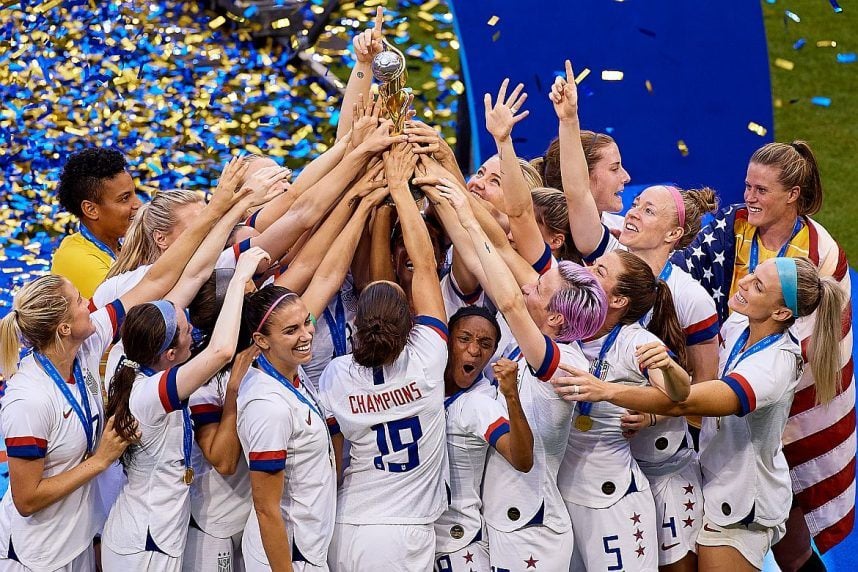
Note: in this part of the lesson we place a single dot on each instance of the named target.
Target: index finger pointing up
(570, 75)
(379, 22)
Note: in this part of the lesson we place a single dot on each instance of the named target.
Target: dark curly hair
(84, 173)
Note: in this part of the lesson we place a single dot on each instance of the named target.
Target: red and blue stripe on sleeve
(600, 250)
(205, 413)
(434, 323)
(544, 263)
(240, 247)
(702, 331)
(471, 298)
(26, 447)
(267, 461)
(251, 220)
(116, 312)
(168, 392)
(333, 426)
(550, 362)
(496, 430)
(743, 390)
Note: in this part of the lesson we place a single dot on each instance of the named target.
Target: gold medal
(189, 475)
(583, 423)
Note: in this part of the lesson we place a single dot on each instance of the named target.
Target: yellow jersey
(82, 262)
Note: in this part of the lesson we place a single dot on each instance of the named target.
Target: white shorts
(533, 547)
(753, 541)
(388, 547)
(143, 560)
(474, 557)
(251, 564)
(679, 512)
(620, 537)
(83, 562)
(204, 553)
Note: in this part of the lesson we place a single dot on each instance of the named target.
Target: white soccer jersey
(155, 500)
(39, 423)
(280, 431)
(613, 221)
(454, 298)
(598, 467)
(512, 499)
(475, 420)
(219, 504)
(745, 474)
(393, 417)
(337, 321)
(607, 243)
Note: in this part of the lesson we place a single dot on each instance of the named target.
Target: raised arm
(164, 274)
(201, 368)
(500, 120)
(332, 271)
(301, 270)
(584, 218)
(426, 295)
(380, 262)
(428, 142)
(517, 445)
(502, 288)
(366, 45)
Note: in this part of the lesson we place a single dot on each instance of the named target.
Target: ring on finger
(576, 389)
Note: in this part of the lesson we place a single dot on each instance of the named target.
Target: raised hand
(380, 138)
(506, 372)
(564, 95)
(242, 363)
(458, 199)
(371, 180)
(265, 184)
(501, 117)
(248, 262)
(226, 193)
(370, 42)
(365, 118)
(399, 165)
(423, 138)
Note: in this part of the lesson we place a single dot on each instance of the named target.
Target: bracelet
(652, 419)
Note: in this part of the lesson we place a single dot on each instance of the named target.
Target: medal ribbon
(266, 366)
(755, 247)
(87, 234)
(187, 427)
(337, 327)
(83, 413)
(584, 407)
(740, 343)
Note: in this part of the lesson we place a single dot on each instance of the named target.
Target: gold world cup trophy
(388, 69)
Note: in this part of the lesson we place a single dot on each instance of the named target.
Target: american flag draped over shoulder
(819, 440)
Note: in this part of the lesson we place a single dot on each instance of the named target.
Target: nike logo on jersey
(669, 546)
(67, 413)
(707, 529)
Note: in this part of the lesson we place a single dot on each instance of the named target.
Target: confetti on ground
(612, 75)
(792, 16)
(683, 148)
(799, 44)
(836, 6)
(784, 64)
(826, 44)
(757, 128)
(846, 58)
(821, 101)
(178, 89)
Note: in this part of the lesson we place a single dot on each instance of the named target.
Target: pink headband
(271, 309)
(680, 203)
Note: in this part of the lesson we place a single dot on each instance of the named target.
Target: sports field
(832, 131)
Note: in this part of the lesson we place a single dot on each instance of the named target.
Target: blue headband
(788, 274)
(168, 312)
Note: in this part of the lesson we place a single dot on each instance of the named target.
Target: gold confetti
(47, 6)
(826, 44)
(779, 102)
(217, 22)
(612, 75)
(581, 76)
(757, 128)
(784, 64)
(495, 36)
(648, 85)
(493, 20)
(281, 23)
(683, 148)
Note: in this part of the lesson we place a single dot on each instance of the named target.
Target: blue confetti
(846, 58)
(792, 16)
(799, 44)
(821, 101)
(836, 6)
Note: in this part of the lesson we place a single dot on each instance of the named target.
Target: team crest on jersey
(224, 563)
(600, 368)
(91, 383)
